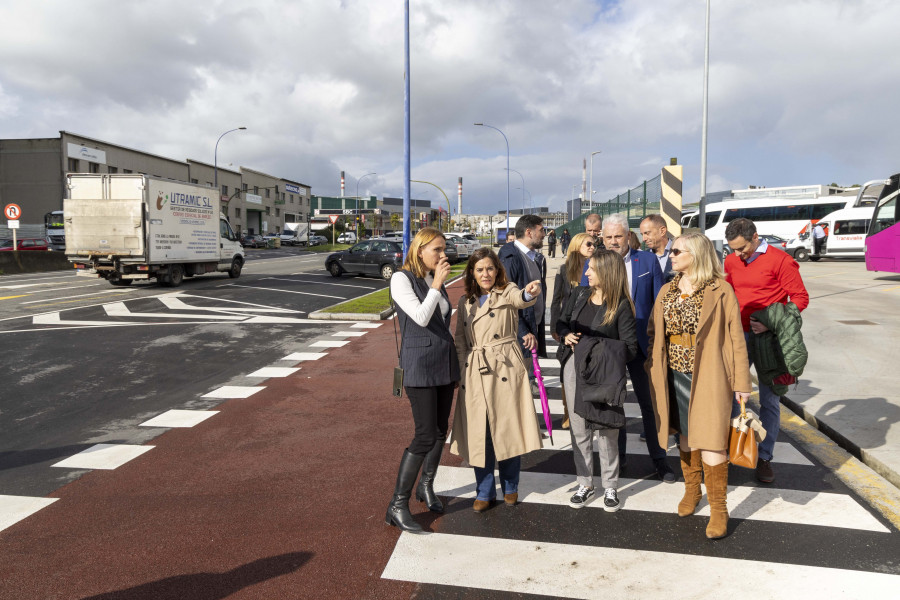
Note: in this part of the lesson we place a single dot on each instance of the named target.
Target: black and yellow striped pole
(670, 203)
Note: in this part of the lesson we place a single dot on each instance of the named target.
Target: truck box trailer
(137, 227)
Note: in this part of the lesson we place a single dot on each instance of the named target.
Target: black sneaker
(610, 500)
(764, 471)
(664, 470)
(581, 496)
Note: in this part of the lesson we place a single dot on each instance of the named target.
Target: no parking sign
(12, 212)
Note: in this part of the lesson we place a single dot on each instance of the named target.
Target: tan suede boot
(716, 490)
(692, 469)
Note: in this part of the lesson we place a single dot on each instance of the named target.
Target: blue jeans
(484, 476)
(770, 413)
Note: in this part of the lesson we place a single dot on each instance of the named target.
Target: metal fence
(635, 204)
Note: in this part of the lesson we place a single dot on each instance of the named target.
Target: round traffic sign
(13, 212)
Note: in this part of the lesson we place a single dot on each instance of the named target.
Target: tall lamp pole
(591, 190)
(530, 199)
(445, 198)
(216, 157)
(357, 198)
(507, 168)
(522, 188)
(702, 215)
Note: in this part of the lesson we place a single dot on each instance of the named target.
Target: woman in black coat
(602, 310)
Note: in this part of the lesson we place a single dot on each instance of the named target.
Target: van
(348, 237)
(846, 230)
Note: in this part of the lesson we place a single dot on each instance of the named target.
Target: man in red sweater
(762, 275)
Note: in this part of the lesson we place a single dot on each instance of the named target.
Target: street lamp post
(591, 190)
(702, 216)
(216, 157)
(522, 188)
(507, 168)
(445, 198)
(530, 199)
(357, 199)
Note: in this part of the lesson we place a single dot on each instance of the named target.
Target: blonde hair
(609, 269)
(575, 264)
(705, 265)
(413, 262)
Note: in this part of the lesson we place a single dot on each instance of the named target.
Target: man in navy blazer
(656, 236)
(645, 279)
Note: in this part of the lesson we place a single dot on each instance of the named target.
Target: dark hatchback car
(369, 257)
(253, 241)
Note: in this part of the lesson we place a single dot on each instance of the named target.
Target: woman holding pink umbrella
(494, 418)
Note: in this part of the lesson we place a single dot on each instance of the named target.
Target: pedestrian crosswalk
(804, 536)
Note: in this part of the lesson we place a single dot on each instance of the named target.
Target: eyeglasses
(589, 244)
(677, 251)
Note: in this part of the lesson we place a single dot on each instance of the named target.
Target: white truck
(128, 227)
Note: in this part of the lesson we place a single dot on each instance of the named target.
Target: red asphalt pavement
(280, 495)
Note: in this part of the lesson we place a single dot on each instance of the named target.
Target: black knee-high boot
(425, 490)
(398, 510)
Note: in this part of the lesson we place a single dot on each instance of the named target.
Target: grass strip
(376, 302)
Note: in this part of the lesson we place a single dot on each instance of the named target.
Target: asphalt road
(86, 363)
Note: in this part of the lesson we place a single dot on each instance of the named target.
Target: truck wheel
(387, 271)
(335, 270)
(235, 271)
(176, 276)
(801, 255)
(116, 279)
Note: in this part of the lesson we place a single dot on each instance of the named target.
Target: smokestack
(459, 199)
(342, 184)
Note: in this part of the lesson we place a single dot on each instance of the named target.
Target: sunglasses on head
(677, 251)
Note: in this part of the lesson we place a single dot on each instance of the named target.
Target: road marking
(891, 288)
(174, 301)
(234, 391)
(329, 344)
(11, 297)
(15, 508)
(366, 325)
(285, 291)
(274, 372)
(362, 287)
(302, 356)
(71, 301)
(118, 309)
(573, 571)
(348, 334)
(103, 456)
(179, 418)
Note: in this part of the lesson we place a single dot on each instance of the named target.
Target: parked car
(463, 246)
(253, 240)
(316, 240)
(452, 252)
(348, 237)
(25, 244)
(474, 239)
(772, 240)
(370, 257)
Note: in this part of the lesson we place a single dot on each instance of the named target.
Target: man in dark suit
(656, 236)
(524, 264)
(645, 278)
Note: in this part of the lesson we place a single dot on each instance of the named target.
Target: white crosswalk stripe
(493, 555)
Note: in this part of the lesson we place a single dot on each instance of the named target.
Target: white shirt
(420, 312)
(627, 259)
(819, 232)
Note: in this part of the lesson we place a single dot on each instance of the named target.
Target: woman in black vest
(430, 369)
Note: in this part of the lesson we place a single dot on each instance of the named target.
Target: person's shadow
(211, 586)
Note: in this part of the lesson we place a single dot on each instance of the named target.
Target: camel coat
(494, 386)
(721, 367)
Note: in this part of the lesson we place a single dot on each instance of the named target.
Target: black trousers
(431, 413)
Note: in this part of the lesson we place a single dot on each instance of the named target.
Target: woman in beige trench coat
(494, 418)
(697, 363)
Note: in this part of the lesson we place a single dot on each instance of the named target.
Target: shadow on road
(13, 459)
(211, 586)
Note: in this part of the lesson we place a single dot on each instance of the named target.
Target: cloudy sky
(801, 91)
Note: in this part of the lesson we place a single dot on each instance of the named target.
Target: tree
(396, 221)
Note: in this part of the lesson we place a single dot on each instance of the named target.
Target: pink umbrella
(545, 406)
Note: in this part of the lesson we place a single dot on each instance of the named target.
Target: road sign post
(333, 219)
(13, 212)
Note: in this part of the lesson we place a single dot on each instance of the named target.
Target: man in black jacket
(524, 264)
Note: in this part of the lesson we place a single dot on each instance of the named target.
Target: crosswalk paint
(329, 344)
(366, 325)
(302, 356)
(103, 456)
(15, 508)
(651, 495)
(234, 391)
(575, 571)
(274, 372)
(348, 334)
(179, 418)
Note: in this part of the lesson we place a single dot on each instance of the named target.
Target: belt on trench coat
(480, 353)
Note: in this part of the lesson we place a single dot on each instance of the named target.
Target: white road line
(118, 309)
(285, 291)
(15, 508)
(348, 334)
(234, 391)
(573, 571)
(175, 302)
(366, 325)
(46, 300)
(325, 344)
(59, 289)
(362, 287)
(302, 356)
(651, 495)
(103, 456)
(179, 418)
(274, 372)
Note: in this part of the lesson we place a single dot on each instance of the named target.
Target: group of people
(670, 318)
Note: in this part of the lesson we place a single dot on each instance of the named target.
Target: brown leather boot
(716, 490)
(692, 469)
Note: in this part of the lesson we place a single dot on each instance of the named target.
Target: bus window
(796, 212)
(886, 216)
(712, 218)
(853, 227)
(820, 210)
